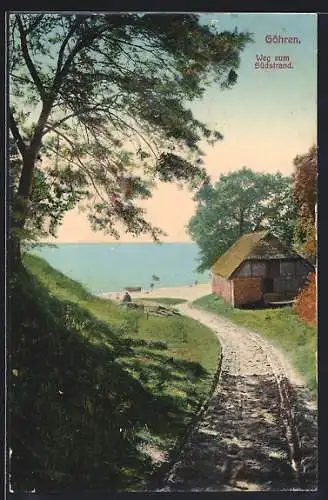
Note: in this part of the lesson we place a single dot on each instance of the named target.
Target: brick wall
(222, 288)
(246, 290)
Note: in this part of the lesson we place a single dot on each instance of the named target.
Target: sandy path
(243, 439)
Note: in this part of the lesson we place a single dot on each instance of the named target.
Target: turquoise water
(110, 267)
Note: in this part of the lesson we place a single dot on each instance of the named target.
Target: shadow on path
(239, 442)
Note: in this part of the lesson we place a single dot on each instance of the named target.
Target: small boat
(133, 288)
(281, 303)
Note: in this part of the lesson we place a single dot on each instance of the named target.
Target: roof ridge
(266, 232)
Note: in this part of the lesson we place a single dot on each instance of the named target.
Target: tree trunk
(26, 178)
(20, 205)
(19, 210)
(14, 256)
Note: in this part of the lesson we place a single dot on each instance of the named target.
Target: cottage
(259, 267)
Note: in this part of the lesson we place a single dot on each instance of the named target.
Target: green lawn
(164, 300)
(93, 382)
(281, 326)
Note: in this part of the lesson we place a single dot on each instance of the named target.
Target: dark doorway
(267, 285)
(272, 269)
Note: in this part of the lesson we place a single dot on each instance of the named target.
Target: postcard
(162, 325)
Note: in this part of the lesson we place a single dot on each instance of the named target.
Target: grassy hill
(281, 326)
(93, 387)
(164, 300)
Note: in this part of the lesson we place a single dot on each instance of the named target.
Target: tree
(54, 192)
(240, 202)
(105, 99)
(305, 197)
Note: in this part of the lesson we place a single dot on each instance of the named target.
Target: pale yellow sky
(266, 119)
(171, 208)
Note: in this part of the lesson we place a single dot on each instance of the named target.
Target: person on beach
(126, 299)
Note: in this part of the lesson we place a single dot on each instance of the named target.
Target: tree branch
(142, 137)
(28, 60)
(35, 23)
(74, 26)
(106, 56)
(79, 162)
(146, 48)
(16, 134)
(21, 78)
(77, 114)
(80, 45)
(106, 110)
(134, 130)
(80, 165)
(53, 126)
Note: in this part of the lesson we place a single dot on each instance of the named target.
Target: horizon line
(110, 242)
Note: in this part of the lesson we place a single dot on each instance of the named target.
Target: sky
(266, 119)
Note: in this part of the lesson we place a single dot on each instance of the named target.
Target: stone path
(258, 431)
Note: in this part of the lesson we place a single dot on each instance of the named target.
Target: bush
(306, 301)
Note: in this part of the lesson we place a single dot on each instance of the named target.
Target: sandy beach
(178, 292)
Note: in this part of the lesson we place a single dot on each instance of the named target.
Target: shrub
(306, 301)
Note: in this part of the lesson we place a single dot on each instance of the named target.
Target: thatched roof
(261, 245)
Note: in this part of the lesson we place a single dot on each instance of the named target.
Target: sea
(110, 267)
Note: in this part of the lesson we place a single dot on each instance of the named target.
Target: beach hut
(259, 267)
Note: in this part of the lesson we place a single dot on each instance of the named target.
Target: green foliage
(55, 191)
(113, 93)
(305, 189)
(281, 326)
(241, 202)
(89, 384)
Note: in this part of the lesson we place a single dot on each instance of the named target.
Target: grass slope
(164, 300)
(281, 326)
(91, 384)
